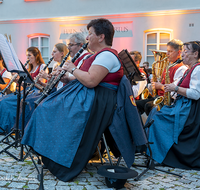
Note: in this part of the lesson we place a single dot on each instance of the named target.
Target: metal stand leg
(100, 154)
(104, 140)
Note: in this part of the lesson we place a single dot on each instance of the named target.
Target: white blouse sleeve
(193, 92)
(7, 75)
(42, 67)
(139, 87)
(179, 73)
(107, 60)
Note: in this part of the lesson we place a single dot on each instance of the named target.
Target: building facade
(139, 25)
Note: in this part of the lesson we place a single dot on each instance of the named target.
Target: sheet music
(9, 55)
(130, 67)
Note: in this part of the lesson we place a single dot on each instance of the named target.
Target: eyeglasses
(70, 45)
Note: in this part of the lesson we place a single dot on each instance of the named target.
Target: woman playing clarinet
(81, 110)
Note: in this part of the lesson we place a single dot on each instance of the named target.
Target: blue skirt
(8, 110)
(66, 133)
(168, 124)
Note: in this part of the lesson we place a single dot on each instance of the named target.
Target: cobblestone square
(16, 175)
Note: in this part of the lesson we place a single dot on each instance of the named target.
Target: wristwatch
(73, 70)
(176, 88)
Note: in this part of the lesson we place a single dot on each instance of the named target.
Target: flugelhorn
(45, 93)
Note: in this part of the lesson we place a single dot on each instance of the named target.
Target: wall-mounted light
(1, 1)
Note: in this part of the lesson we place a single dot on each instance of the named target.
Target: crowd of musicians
(67, 124)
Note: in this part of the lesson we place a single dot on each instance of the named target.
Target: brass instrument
(158, 67)
(167, 96)
(146, 94)
(159, 102)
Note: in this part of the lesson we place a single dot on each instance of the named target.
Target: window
(156, 39)
(41, 41)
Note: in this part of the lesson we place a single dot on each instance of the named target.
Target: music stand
(25, 77)
(1, 80)
(130, 68)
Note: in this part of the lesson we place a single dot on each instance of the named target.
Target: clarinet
(12, 80)
(45, 93)
(37, 78)
(53, 77)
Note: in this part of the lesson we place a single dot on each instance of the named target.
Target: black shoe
(44, 167)
(157, 164)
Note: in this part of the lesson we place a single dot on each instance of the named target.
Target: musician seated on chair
(8, 104)
(148, 71)
(4, 73)
(140, 85)
(175, 132)
(66, 127)
(75, 43)
(59, 52)
(174, 48)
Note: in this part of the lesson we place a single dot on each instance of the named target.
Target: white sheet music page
(9, 55)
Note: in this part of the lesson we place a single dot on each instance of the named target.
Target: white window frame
(158, 31)
(39, 36)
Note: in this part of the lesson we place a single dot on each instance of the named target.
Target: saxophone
(154, 78)
(167, 96)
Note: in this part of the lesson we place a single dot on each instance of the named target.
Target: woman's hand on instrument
(157, 85)
(57, 71)
(68, 66)
(16, 80)
(169, 87)
(65, 78)
(40, 82)
(43, 74)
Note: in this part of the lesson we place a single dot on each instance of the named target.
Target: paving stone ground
(16, 175)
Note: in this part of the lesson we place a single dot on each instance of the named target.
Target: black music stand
(1, 80)
(25, 78)
(149, 165)
(130, 68)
